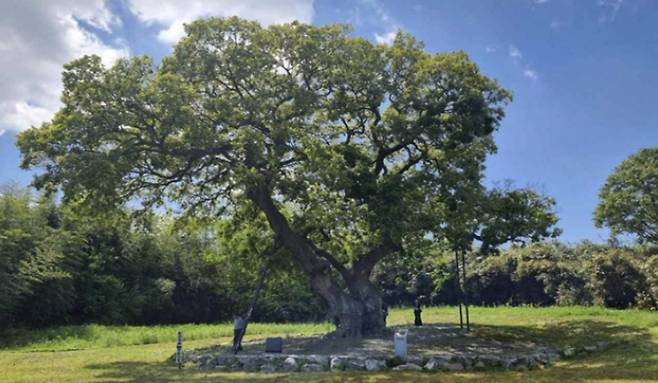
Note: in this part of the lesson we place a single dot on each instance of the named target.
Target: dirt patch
(422, 341)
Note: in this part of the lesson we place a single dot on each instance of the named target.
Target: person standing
(238, 328)
(417, 310)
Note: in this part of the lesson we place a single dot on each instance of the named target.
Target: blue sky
(583, 72)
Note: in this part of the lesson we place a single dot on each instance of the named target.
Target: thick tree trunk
(356, 303)
(371, 300)
(363, 316)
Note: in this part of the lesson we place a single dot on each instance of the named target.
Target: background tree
(350, 150)
(514, 215)
(17, 231)
(628, 202)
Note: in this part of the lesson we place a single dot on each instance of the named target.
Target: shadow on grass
(631, 355)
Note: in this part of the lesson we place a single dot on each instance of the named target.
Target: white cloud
(173, 14)
(491, 49)
(514, 52)
(555, 24)
(531, 74)
(386, 38)
(517, 57)
(38, 38)
(612, 7)
(381, 18)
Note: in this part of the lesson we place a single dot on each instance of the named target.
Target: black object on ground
(274, 345)
(417, 310)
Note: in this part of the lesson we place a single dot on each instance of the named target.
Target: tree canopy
(628, 202)
(349, 149)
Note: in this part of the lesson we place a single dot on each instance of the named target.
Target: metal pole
(468, 323)
(179, 349)
(459, 290)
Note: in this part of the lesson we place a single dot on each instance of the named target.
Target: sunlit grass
(128, 354)
(99, 336)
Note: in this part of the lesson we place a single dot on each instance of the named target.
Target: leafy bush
(542, 274)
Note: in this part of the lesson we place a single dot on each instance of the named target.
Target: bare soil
(422, 341)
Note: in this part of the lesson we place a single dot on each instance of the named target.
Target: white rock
(408, 367)
(322, 360)
(432, 364)
(375, 364)
(354, 364)
(436, 362)
(336, 364)
(568, 352)
(290, 364)
(312, 367)
(268, 368)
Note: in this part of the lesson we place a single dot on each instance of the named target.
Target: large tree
(628, 202)
(349, 149)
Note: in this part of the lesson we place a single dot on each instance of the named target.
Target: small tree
(628, 202)
(349, 149)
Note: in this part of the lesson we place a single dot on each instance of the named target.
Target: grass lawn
(137, 354)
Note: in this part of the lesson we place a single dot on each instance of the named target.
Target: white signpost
(400, 342)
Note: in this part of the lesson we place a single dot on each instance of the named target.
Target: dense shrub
(617, 280)
(547, 273)
(63, 265)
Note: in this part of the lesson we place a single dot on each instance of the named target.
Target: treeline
(543, 274)
(61, 264)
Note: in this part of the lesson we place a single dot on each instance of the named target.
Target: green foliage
(350, 149)
(540, 274)
(552, 273)
(416, 274)
(60, 265)
(628, 202)
(617, 281)
(515, 215)
(16, 232)
(31, 257)
(347, 135)
(546, 273)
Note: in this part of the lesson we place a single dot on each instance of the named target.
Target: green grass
(68, 338)
(138, 354)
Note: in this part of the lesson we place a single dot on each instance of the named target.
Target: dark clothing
(336, 321)
(417, 320)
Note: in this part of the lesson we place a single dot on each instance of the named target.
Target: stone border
(539, 358)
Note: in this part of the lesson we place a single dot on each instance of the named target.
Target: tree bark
(356, 302)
